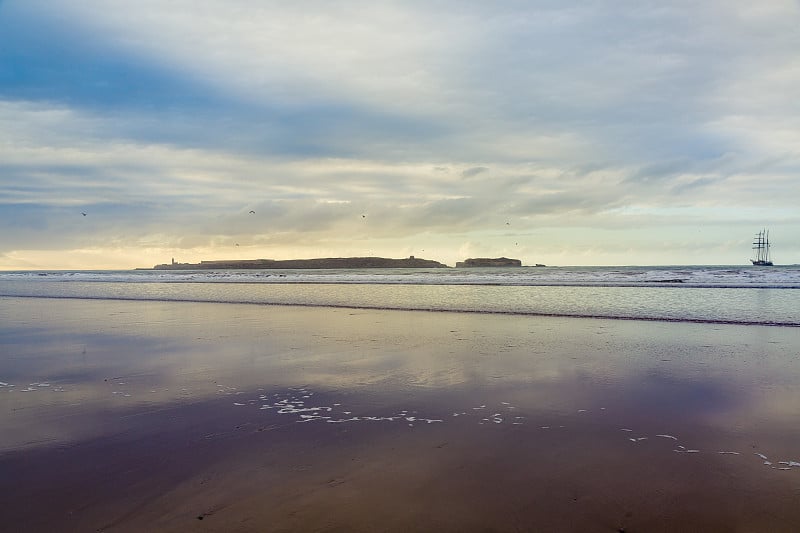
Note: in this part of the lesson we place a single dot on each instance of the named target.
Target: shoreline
(151, 414)
(668, 320)
(740, 305)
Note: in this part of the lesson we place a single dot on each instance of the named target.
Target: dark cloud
(473, 171)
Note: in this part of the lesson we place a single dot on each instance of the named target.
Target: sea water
(714, 294)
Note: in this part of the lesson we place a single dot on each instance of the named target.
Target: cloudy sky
(566, 133)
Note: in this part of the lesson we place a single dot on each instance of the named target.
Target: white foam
(289, 409)
(294, 405)
(353, 419)
(311, 418)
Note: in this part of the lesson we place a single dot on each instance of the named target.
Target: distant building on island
(487, 262)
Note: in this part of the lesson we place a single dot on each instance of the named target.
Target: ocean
(712, 294)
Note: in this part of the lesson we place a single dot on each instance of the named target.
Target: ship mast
(761, 246)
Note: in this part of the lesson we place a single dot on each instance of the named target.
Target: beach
(176, 416)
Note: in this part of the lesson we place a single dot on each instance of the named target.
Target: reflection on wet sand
(127, 415)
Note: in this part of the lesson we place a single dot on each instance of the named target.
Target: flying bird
(252, 212)
(82, 213)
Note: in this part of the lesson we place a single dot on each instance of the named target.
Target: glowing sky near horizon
(566, 133)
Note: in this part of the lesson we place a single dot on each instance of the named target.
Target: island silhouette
(333, 263)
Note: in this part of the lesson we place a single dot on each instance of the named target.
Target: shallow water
(743, 305)
(357, 419)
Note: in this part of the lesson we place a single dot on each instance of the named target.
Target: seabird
(82, 213)
(252, 212)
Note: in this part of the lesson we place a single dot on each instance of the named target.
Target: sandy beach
(177, 416)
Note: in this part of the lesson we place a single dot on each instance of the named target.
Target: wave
(690, 277)
(655, 317)
(714, 295)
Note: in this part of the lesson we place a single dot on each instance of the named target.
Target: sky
(557, 132)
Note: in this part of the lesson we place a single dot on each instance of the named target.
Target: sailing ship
(761, 247)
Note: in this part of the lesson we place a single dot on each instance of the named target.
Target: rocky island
(487, 262)
(329, 263)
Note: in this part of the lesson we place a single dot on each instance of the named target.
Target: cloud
(441, 120)
(473, 171)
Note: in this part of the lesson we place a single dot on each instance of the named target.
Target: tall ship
(761, 247)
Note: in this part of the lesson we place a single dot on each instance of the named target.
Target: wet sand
(131, 416)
